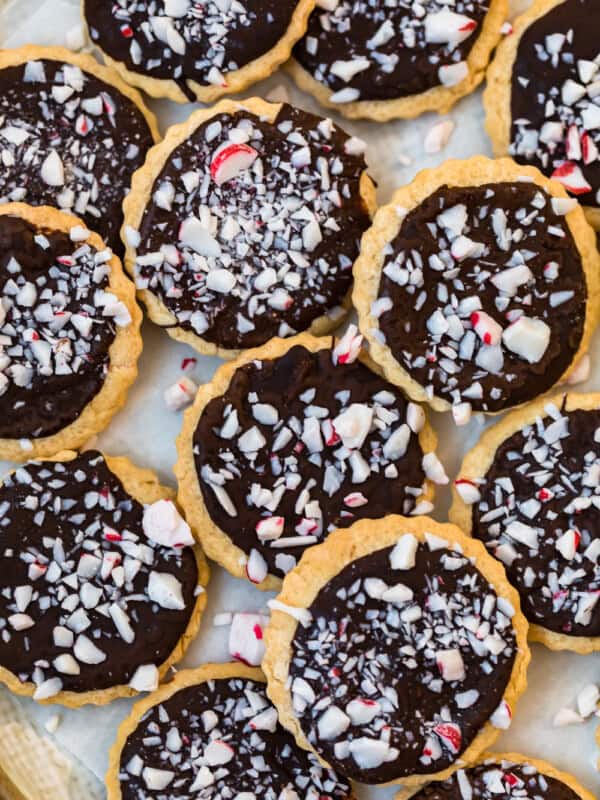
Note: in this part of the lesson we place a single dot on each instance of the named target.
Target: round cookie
(69, 332)
(71, 135)
(100, 592)
(510, 776)
(477, 286)
(530, 490)
(396, 651)
(542, 99)
(244, 225)
(291, 441)
(381, 61)
(187, 53)
(213, 733)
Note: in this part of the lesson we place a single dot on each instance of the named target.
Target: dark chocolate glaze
(157, 630)
(519, 381)
(280, 382)
(409, 70)
(351, 634)
(51, 402)
(285, 764)
(511, 461)
(582, 17)
(340, 248)
(249, 36)
(52, 125)
(519, 781)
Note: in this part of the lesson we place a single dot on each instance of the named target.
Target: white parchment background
(145, 431)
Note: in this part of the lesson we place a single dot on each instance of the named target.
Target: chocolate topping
(58, 320)
(408, 655)
(76, 610)
(240, 254)
(69, 140)
(183, 41)
(482, 297)
(221, 739)
(498, 781)
(300, 445)
(539, 514)
(376, 50)
(555, 97)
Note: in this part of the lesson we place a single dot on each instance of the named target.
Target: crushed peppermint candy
(486, 295)
(88, 602)
(538, 511)
(69, 140)
(253, 227)
(303, 444)
(555, 97)
(58, 320)
(220, 739)
(408, 651)
(379, 50)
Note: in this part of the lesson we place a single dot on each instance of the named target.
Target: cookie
(293, 440)
(244, 225)
(510, 776)
(69, 332)
(530, 491)
(212, 733)
(396, 651)
(380, 60)
(542, 99)
(477, 287)
(188, 51)
(71, 135)
(100, 591)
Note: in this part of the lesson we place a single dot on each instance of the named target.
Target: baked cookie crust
(438, 98)
(477, 462)
(216, 543)
(237, 81)
(322, 563)
(123, 353)
(497, 93)
(143, 485)
(474, 171)
(140, 195)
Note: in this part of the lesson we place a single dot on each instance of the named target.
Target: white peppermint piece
(403, 555)
(164, 525)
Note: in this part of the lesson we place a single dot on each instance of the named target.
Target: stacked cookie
(397, 647)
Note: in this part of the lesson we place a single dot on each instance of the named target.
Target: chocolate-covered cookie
(244, 225)
(69, 332)
(190, 51)
(530, 490)
(396, 650)
(543, 96)
(293, 440)
(508, 776)
(380, 60)
(71, 135)
(212, 732)
(477, 287)
(100, 591)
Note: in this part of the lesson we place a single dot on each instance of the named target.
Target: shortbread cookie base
(322, 563)
(497, 93)
(216, 543)
(476, 464)
(543, 767)
(123, 352)
(386, 226)
(136, 201)
(439, 98)
(236, 81)
(143, 485)
(183, 680)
